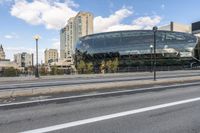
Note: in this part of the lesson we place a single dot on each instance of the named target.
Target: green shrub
(10, 72)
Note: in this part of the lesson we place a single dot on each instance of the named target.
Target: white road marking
(111, 116)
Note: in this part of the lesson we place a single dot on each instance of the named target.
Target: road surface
(168, 111)
(95, 79)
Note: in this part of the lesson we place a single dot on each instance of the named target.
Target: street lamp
(151, 49)
(36, 37)
(154, 47)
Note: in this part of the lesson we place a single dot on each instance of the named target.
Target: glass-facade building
(134, 48)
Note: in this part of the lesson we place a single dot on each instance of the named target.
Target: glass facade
(132, 48)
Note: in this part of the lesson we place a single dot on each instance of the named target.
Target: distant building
(23, 59)
(2, 53)
(196, 28)
(69, 38)
(177, 27)
(5, 63)
(63, 64)
(63, 41)
(78, 26)
(50, 55)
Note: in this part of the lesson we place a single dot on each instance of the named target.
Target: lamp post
(154, 47)
(36, 37)
(151, 49)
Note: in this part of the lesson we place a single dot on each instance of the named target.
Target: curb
(80, 97)
(85, 87)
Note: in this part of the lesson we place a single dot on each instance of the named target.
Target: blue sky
(21, 19)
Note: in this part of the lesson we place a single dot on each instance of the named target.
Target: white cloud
(103, 23)
(52, 14)
(114, 21)
(8, 36)
(71, 3)
(147, 21)
(11, 36)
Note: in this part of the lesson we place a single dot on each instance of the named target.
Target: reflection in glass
(132, 48)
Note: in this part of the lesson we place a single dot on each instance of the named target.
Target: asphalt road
(166, 111)
(97, 79)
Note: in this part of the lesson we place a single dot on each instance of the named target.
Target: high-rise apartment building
(67, 39)
(78, 26)
(176, 27)
(70, 38)
(63, 41)
(83, 25)
(23, 59)
(50, 55)
(2, 53)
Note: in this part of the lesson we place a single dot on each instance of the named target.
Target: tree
(109, 66)
(54, 70)
(114, 65)
(10, 72)
(103, 66)
(81, 66)
(43, 71)
(30, 69)
(60, 71)
(89, 67)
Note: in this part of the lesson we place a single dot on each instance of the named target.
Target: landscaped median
(92, 87)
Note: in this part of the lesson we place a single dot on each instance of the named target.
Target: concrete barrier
(96, 86)
(21, 92)
(7, 93)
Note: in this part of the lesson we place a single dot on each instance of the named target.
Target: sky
(20, 20)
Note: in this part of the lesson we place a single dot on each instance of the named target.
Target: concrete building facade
(78, 26)
(63, 41)
(70, 38)
(177, 27)
(196, 28)
(83, 25)
(24, 59)
(50, 55)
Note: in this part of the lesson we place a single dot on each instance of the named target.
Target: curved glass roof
(137, 42)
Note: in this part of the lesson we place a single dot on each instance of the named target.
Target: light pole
(36, 37)
(151, 49)
(154, 47)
